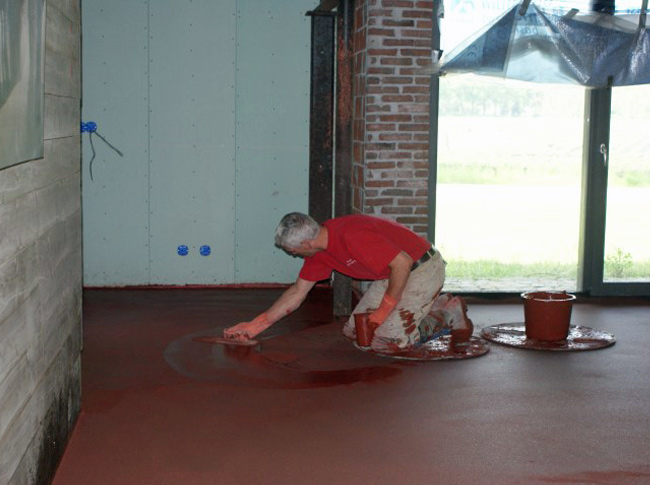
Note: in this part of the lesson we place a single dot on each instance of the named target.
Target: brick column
(391, 110)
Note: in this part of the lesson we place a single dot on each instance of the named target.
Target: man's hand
(286, 304)
(247, 330)
(400, 269)
(387, 305)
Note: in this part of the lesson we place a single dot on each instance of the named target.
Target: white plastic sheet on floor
(529, 44)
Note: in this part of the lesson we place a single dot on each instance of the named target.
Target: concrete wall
(40, 273)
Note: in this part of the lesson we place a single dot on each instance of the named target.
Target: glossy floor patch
(308, 357)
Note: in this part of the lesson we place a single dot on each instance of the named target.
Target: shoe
(433, 326)
(440, 302)
(457, 320)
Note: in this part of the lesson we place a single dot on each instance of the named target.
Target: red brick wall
(391, 110)
(358, 93)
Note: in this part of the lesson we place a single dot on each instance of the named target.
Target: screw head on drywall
(182, 250)
(205, 250)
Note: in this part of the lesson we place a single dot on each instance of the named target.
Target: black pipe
(321, 116)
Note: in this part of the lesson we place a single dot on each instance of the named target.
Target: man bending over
(406, 271)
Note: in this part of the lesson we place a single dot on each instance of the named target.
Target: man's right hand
(286, 304)
(236, 332)
(247, 330)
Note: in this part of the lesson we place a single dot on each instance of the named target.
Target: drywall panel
(192, 139)
(208, 101)
(115, 96)
(272, 161)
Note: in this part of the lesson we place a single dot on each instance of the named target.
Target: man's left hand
(387, 305)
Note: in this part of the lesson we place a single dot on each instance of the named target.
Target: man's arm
(288, 302)
(400, 270)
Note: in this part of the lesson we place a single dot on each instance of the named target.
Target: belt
(425, 257)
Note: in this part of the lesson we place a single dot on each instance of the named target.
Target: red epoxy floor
(307, 408)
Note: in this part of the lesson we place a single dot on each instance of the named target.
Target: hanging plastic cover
(528, 44)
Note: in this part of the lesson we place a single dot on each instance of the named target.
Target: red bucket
(547, 314)
(365, 331)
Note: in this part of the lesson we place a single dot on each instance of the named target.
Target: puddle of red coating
(310, 357)
(227, 341)
(143, 339)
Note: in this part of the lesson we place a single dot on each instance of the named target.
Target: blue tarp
(528, 44)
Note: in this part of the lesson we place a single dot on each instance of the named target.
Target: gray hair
(294, 228)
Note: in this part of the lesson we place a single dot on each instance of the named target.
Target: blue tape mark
(90, 127)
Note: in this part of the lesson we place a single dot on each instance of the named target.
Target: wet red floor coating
(160, 408)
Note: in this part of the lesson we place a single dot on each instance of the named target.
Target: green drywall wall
(209, 103)
(273, 61)
(115, 96)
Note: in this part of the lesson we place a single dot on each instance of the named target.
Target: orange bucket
(547, 314)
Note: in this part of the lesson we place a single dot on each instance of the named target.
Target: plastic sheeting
(526, 43)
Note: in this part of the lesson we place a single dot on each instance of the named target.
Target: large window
(510, 167)
(508, 192)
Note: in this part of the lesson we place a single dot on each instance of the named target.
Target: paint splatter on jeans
(401, 328)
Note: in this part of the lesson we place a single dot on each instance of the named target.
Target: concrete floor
(307, 407)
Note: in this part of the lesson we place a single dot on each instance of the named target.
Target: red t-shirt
(361, 247)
